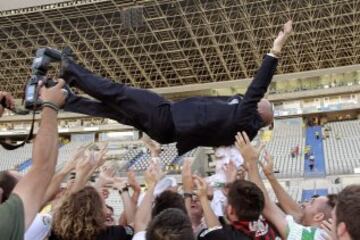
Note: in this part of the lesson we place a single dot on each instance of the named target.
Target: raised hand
(85, 166)
(187, 175)
(9, 100)
(119, 183)
(54, 94)
(153, 174)
(249, 152)
(91, 161)
(100, 157)
(71, 164)
(152, 145)
(106, 176)
(241, 175)
(132, 181)
(282, 36)
(201, 186)
(329, 228)
(230, 171)
(267, 165)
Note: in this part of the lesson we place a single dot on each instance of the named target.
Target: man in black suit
(193, 122)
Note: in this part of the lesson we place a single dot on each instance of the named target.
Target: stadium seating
(294, 191)
(286, 135)
(334, 189)
(168, 157)
(11, 159)
(114, 200)
(67, 151)
(342, 152)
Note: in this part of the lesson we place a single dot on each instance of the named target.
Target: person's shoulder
(294, 229)
(14, 204)
(212, 233)
(224, 232)
(117, 231)
(12, 224)
(15, 197)
(140, 235)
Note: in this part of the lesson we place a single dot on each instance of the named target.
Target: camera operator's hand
(9, 100)
(55, 94)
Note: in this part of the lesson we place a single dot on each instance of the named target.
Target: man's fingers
(246, 138)
(41, 90)
(240, 139)
(199, 179)
(267, 156)
(262, 164)
(10, 102)
(327, 224)
(288, 27)
(232, 164)
(261, 147)
(60, 83)
(190, 161)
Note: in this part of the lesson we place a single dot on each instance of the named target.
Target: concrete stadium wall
(16, 4)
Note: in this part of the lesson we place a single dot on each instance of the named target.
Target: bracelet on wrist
(124, 189)
(50, 105)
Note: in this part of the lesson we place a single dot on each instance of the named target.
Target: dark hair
(348, 209)
(168, 199)
(328, 207)
(332, 200)
(170, 224)
(247, 199)
(7, 183)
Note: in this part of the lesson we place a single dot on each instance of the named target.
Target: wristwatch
(124, 189)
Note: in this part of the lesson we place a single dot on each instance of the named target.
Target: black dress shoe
(67, 57)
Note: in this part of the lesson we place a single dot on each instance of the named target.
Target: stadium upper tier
(152, 44)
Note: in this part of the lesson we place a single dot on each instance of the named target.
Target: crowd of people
(39, 205)
(67, 205)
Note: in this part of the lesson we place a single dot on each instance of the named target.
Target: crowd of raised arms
(47, 204)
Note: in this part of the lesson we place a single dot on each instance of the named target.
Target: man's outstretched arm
(31, 188)
(262, 79)
(251, 155)
(289, 205)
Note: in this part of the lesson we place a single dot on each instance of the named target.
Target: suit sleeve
(260, 84)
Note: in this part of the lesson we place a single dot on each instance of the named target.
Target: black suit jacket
(214, 121)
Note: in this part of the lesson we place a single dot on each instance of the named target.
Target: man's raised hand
(54, 94)
(267, 165)
(248, 152)
(9, 101)
(187, 175)
(282, 36)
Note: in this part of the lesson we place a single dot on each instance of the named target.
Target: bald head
(265, 111)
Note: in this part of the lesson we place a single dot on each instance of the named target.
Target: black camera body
(40, 66)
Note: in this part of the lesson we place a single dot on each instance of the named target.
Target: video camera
(40, 66)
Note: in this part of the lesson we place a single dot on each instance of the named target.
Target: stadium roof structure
(163, 43)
